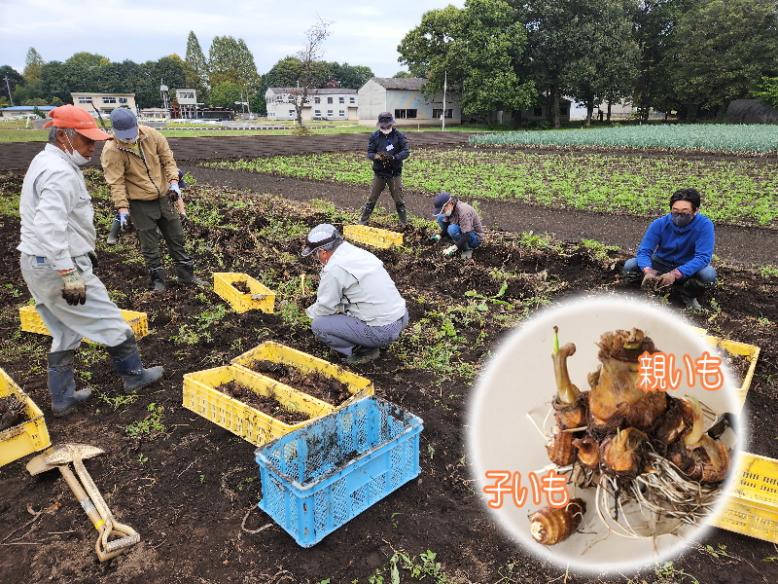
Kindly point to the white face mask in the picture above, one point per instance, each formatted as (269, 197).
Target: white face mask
(386, 132)
(75, 155)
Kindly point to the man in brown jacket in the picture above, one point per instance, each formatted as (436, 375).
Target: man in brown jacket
(143, 176)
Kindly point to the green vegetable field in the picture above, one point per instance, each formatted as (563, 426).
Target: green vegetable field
(743, 191)
(692, 137)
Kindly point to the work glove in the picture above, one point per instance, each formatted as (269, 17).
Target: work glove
(379, 156)
(74, 288)
(173, 192)
(124, 219)
(434, 238)
(450, 251)
(666, 280)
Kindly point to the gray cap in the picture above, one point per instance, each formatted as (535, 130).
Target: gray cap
(323, 236)
(125, 124)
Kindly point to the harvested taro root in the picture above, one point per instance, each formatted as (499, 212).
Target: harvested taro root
(629, 443)
(622, 453)
(551, 525)
(560, 450)
(616, 400)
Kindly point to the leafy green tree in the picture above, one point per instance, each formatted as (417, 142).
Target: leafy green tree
(768, 91)
(225, 94)
(402, 75)
(231, 60)
(350, 76)
(14, 80)
(654, 26)
(721, 49)
(607, 68)
(197, 66)
(477, 47)
(32, 66)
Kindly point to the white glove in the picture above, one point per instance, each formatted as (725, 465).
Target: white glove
(450, 251)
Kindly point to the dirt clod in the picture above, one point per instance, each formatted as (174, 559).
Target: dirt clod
(242, 287)
(11, 412)
(319, 386)
(264, 403)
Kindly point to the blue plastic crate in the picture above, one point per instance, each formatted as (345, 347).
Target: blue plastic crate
(318, 478)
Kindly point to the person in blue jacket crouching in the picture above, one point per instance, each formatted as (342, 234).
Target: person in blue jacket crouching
(676, 251)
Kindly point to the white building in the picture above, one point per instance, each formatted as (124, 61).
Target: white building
(405, 99)
(337, 103)
(105, 102)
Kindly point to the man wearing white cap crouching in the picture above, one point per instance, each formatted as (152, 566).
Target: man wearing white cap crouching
(358, 310)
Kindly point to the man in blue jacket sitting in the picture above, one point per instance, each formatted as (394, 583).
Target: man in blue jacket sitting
(676, 250)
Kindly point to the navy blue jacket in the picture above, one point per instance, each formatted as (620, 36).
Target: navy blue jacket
(394, 143)
(689, 248)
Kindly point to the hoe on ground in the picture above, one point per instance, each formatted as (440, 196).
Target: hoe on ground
(114, 538)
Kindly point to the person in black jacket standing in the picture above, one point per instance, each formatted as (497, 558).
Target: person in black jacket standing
(387, 148)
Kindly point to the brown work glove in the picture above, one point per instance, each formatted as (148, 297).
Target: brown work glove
(74, 288)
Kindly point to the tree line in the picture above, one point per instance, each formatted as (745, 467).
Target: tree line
(688, 56)
(227, 75)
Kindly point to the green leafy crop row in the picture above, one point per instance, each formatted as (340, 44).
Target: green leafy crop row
(735, 190)
(697, 137)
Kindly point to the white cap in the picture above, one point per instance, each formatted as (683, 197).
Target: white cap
(322, 236)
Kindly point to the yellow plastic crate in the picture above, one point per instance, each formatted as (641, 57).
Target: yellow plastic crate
(752, 508)
(373, 236)
(260, 298)
(29, 436)
(750, 352)
(357, 385)
(33, 323)
(201, 396)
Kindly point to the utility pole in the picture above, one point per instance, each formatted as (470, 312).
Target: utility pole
(8, 87)
(445, 89)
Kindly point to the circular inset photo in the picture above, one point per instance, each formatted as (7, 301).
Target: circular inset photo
(604, 432)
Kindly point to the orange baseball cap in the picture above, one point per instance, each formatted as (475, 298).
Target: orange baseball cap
(69, 116)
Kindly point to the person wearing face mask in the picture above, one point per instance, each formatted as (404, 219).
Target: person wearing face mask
(358, 310)
(676, 250)
(143, 176)
(387, 148)
(57, 261)
(458, 222)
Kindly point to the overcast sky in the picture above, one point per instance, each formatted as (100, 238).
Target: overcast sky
(142, 30)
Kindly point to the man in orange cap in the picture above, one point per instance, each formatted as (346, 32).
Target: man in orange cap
(57, 259)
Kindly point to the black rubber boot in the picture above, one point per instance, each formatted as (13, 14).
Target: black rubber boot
(186, 275)
(158, 279)
(632, 278)
(402, 215)
(367, 210)
(62, 384)
(127, 363)
(691, 292)
(362, 355)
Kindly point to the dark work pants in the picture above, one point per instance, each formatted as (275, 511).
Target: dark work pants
(152, 218)
(395, 188)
